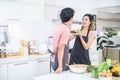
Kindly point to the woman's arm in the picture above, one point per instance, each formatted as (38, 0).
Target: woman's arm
(89, 43)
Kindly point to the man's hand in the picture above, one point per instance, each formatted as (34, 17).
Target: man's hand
(58, 70)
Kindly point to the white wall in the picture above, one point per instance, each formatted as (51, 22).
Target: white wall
(73, 3)
(27, 17)
(107, 3)
(102, 23)
(53, 8)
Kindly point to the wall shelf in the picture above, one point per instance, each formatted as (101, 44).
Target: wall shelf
(110, 19)
(74, 21)
(114, 27)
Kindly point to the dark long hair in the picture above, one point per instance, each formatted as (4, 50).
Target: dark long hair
(91, 18)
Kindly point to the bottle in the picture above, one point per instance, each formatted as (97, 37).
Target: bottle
(23, 49)
(108, 60)
(29, 49)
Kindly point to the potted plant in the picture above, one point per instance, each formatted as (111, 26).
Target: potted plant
(104, 40)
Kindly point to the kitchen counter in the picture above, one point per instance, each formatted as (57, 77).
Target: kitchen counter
(23, 58)
(66, 75)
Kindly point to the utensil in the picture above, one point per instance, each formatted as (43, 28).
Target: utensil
(67, 64)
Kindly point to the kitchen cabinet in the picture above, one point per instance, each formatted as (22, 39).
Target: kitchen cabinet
(33, 11)
(3, 72)
(10, 10)
(28, 69)
(19, 71)
(24, 67)
(22, 10)
(42, 67)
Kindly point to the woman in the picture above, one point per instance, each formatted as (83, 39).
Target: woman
(61, 37)
(83, 41)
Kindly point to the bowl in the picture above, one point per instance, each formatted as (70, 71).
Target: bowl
(105, 78)
(78, 68)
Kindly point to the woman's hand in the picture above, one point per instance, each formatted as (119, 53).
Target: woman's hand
(80, 34)
(58, 70)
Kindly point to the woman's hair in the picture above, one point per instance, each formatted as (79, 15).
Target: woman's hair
(66, 14)
(91, 18)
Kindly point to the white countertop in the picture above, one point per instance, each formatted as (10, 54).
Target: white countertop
(23, 58)
(66, 75)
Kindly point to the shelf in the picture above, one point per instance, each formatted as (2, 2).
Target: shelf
(114, 27)
(74, 21)
(110, 19)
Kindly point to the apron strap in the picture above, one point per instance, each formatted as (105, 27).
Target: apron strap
(88, 32)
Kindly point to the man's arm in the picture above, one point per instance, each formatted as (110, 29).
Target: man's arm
(60, 57)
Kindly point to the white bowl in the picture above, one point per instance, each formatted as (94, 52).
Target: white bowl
(105, 78)
(78, 68)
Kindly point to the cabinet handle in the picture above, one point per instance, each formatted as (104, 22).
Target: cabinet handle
(21, 63)
(42, 61)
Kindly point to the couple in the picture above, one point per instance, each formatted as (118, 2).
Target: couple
(62, 36)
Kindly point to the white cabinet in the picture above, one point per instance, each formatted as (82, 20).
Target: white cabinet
(28, 69)
(19, 71)
(40, 67)
(3, 72)
(43, 67)
(28, 10)
(33, 11)
(10, 10)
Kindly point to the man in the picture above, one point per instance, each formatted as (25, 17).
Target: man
(61, 36)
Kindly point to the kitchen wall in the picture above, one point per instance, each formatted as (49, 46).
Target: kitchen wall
(32, 19)
(107, 3)
(103, 23)
(54, 7)
(25, 20)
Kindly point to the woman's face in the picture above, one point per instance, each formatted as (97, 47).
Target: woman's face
(86, 21)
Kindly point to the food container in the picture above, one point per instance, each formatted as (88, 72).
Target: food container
(78, 68)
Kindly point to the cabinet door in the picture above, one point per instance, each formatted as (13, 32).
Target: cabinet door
(33, 11)
(19, 71)
(10, 10)
(43, 67)
(3, 72)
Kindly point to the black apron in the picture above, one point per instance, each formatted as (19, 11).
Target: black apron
(54, 59)
(79, 55)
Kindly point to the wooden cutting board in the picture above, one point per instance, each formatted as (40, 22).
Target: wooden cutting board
(115, 78)
(13, 54)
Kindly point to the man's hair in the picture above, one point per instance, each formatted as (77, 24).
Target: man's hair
(66, 14)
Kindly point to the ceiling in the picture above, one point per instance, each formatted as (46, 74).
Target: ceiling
(112, 9)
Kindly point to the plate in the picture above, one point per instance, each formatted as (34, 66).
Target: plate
(75, 33)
